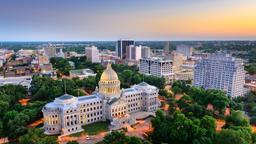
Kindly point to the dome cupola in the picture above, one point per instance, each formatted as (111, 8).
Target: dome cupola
(109, 84)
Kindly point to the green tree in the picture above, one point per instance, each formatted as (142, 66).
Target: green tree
(61, 64)
(36, 136)
(115, 138)
(229, 136)
(72, 142)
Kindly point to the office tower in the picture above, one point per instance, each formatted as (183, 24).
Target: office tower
(220, 71)
(133, 52)
(50, 50)
(145, 52)
(92, 54)
(157, 67)
(186, 50)
(166, 48)
(121, 47)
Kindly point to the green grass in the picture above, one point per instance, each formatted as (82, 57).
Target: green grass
(96, 128)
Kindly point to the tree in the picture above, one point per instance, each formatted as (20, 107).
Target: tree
(36, 136)
(179, 129)
(115, 138)
(3, 107)
(134, 140)
(72, 142)
(230, 136)
(236, 119)
(208, 123)
(61, 64)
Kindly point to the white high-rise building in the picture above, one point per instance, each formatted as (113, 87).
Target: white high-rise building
(145, 52)
(157, 67)
(220, 71)
(92, 54)
(186, 50)
(133, 52)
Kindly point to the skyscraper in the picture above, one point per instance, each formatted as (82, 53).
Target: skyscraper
(92, 54)
(133, 52)
(166, 48)
(220, 71)
(121, 47)
(145, 52)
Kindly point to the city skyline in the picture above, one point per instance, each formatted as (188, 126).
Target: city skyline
(110, 20)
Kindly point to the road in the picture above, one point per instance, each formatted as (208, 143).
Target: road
(137, 130)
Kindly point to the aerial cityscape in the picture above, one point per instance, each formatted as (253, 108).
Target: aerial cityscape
(128, 72)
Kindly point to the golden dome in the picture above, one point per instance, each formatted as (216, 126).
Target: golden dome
(109, 74)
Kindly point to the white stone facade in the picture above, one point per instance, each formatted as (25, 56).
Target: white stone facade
(67, 114)
(157, 67)
(221, 71)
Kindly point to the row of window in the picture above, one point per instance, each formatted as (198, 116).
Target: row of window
(135, 99)
(118, 109)
(71, 123)
(72, 129)
(93, 119)
(91, 109)
(92, 103)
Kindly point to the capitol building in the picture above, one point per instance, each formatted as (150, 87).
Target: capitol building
(67, 114)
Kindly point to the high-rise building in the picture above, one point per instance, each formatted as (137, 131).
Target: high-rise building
(121, 47)
(157, 67)
(92, 54)
(186, 50)
(145, 52)
(133, 52)
(220, 71)
(167, 48)
(50, 50)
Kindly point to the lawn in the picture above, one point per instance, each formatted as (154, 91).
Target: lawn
(96, 128)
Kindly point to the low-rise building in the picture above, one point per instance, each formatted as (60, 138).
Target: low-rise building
(23, 80)
(81, 73)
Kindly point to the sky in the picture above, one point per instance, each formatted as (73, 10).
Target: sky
(101, 20)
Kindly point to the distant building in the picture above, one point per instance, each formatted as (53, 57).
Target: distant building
(60, 53)
(133, 52)
(81, 73)
(178, 59)
(43, 59)
(186, 50)
(121, 47)
(145, 52)
(157, 67)
(167, 48)
(92, 54)
(25, 53)
(221, 71)
(23, 80)
(50, 50)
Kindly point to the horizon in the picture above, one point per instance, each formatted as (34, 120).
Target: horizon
(146, 20)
